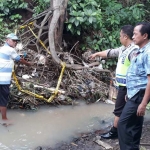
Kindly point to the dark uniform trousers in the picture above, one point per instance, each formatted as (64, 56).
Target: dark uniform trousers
(130, 125)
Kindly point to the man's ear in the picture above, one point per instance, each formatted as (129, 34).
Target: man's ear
(126, 37)
(145, 36)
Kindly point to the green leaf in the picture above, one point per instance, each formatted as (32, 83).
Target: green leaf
(78, 32)
(95, 26)
(94, 13)
(112, 22)
(97, 47)
(76, 23)
(72, 19)
(74, 6)
(6, 10)
(80, 19)
(116, 21)
(83, 48)
(69, 26)
(110, 38)
(82, 5)
(90, 19)
(89, 12)
(1, 4)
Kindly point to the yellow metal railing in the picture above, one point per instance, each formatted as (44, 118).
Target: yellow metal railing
(58, 83)
(63, 64)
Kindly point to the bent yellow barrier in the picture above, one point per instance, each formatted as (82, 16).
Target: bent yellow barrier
(40, 96)
(39, 40)
(58, 83)
(63, 64)
(26, 91)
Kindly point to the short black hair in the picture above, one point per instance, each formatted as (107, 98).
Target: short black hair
(145, 28)
(128, 30)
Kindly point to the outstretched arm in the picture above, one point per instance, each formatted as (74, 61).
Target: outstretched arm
(108, 53)
(23, 61)
(98, 54)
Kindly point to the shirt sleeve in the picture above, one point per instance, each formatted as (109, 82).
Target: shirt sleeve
(133, 54)
(115, 52)
(14, 55)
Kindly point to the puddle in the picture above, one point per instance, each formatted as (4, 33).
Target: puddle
(50, 125)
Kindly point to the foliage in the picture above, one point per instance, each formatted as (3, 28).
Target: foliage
(148, 106)
(40, 6)
(98, 22)
(8, 17)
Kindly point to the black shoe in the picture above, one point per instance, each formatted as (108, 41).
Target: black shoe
(111, 134)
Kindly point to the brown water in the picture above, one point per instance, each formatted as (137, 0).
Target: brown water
(50, 125)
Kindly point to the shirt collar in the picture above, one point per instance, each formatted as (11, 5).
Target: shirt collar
(129, 45)
(6, 44)
(141, 50)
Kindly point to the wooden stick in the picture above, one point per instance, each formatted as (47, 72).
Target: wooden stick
(105, 145)
(145, 144)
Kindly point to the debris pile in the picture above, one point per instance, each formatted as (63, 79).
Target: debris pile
(46, 82)
(89, 84)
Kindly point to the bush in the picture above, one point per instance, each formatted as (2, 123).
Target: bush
(8, 18)
(99, 22)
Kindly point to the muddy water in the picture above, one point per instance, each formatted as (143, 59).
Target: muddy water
(50, 125)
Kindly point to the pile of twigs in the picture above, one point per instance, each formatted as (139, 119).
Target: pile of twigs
(90, 83)
(86, 84)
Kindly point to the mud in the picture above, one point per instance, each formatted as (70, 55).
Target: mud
(86, 141)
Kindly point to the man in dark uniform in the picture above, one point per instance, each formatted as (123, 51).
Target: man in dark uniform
(138, 91)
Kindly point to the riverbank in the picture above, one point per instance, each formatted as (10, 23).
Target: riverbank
(87, 141)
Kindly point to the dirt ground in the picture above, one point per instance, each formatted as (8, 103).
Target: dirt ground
(86, 141)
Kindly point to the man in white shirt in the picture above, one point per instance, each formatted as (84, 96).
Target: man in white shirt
(7, 55)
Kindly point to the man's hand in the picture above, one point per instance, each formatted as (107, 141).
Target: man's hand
(23, 61)
(141, 110)
(31, 63)
(92, 56)
(142, 107)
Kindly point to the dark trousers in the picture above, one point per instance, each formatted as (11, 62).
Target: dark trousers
(4, 93)
(130, 125)
(120, 101)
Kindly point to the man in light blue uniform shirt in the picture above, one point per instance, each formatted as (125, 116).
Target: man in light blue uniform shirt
(138, 91)
(7, 56)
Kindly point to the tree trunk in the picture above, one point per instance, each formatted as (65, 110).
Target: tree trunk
(56, 6)
(56, 30)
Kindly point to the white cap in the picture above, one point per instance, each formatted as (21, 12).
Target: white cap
(12, 36)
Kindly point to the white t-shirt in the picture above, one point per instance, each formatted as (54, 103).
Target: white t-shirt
(7, 55)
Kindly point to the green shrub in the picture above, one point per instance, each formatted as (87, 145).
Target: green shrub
(8, 18)
(99, 22)
(40, 6)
